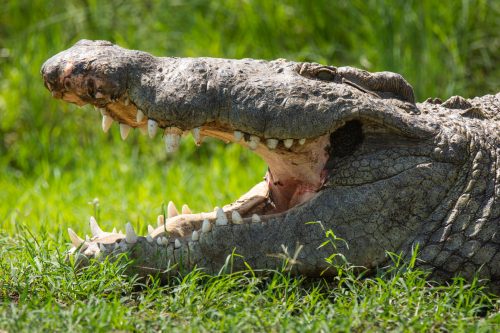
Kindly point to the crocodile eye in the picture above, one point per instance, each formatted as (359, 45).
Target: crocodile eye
(91, 88)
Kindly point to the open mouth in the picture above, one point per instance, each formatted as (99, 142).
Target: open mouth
(297, 169)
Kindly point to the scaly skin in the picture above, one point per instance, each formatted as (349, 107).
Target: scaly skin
(381, 171)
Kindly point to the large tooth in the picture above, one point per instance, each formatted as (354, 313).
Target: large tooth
(139, 116)
(236, 217)
(150, 229)
(172, 210)
(158, 241)
(195, 236)
(164, 241)
(130, 235)
(255, 218)
(103, 112)
(94, 227)
(196, 135)
(149, 239)
(101, 247)
(172, 139)
(206, 226)
(177, 243)
(238, 136)
(254, 142)
(272, 143)
(288, 143)
(186, 209)
(302, 141)
(124, 131)
(152, 128)
(107, 121)
(221, 218)
(143, 129)
(126, 101)
(160, 220)
(75, 240)
(114, 231)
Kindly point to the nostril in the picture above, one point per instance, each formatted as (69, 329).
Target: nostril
(67, 84)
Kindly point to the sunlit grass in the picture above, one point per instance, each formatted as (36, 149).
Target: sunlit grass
(55, 160)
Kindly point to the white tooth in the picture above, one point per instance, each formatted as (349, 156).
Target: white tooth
(126, 101)
(216, 208)
(255, 218)
(177, 243)
(206, 226)
(152, 128)
(75, 240)
(238, 136)
(164, 241)
(107, 121)
(196, 135)
(172, 210)
(139, 116)
(103, 112)
(102, 248)
(288, 143)
(254, 142)
(94, 227)
(130, 235)
(302, 141)
(114, 230)
(160, 220)
(143, 129)
(87, 238)
(124, 131)
(186, 210)
(195, 236)
(150, 229)
(236, 217)
(172, 139)
(149, 239)
(221, 218)
(272, 143)
(158, 241)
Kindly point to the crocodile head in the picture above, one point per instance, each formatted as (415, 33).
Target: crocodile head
(344, 147)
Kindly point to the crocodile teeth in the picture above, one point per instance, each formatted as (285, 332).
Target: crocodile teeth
(238, 136)
(75, 240)
(160, 220)
(150, 229)
(164, 240)
(288, 143)
(114, 230)
(101, 247)
(196, 135)
(195, 236)
(130, 235)
(172, 139)
(94, 227)
(152, 128)
(186, 210)
(254, 142)
(107, 121)
(206, 226)
(103, 112)
(126, 101)
(143, 129)
(172, 210)
(149, 239)
(158, 241)
(302, 141)
(236, 217)
(272, 143)
(255, 218)
(177, 243)
(124, 131)
(139, 116)
(221, 218)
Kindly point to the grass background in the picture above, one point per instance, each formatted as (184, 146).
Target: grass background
(54, 160)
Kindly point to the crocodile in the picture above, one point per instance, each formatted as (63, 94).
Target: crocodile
(347, 150)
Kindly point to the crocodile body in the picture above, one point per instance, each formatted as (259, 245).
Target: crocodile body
(345, 147)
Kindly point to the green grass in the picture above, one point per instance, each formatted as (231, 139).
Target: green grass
(54, 160)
